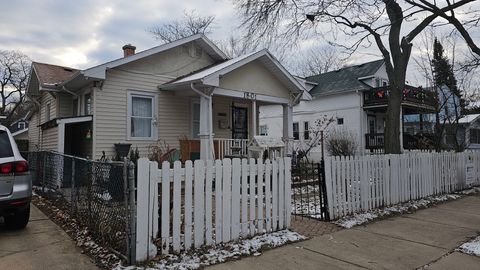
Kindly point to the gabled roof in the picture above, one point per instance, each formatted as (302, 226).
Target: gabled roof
(52, 74)
(345, 79)
(469, 118)
(200, 39)
(211, 75)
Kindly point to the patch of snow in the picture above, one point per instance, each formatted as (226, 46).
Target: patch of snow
(105, 196)
(221, 253)
(361, 218)
(470, 191)
(471, 247)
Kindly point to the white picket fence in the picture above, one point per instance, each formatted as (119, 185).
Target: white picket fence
(210, 202)
(362, 183)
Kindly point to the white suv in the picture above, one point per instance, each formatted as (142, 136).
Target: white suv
(15, 183)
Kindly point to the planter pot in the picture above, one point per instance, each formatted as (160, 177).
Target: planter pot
(122, 150)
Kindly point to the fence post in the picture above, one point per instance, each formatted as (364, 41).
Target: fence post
(73, 190)
(328, 185)
(144, 248)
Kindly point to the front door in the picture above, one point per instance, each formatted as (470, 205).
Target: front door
(240, 123)
(372, 123)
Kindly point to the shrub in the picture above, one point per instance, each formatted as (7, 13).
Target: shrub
(341, 143)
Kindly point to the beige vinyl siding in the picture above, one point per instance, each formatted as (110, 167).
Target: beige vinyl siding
(33, 132)
(65, 104)
(50, 139)
(110, 102)
(255, 78)
(222, 105)
(45, 99)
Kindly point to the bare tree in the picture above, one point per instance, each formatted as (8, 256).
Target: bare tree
(190, 24)
(391, 25)
(315, 137)
(317, 60)
(14, 71)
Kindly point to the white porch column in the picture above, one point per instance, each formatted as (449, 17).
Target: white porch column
(254, 118)
(206, 147)
(288, 128)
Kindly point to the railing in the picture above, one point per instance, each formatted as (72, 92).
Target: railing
(374, 141)
(203, 203)
(230, 147)
(379, 96)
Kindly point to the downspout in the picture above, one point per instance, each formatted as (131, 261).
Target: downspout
(210, 115)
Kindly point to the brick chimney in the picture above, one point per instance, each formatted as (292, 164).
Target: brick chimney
(128, 50)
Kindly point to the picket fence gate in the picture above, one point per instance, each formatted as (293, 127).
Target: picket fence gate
(362, 183)
(209, 202)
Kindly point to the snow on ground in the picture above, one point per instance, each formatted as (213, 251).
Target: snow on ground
(471, 247)
(221, 253)
(361, 218)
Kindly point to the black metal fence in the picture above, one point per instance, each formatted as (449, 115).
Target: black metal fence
(309, 194)
(95, 193)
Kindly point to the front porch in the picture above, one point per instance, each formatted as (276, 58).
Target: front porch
(225, 101)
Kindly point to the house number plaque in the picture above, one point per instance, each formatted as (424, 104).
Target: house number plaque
(251, 96)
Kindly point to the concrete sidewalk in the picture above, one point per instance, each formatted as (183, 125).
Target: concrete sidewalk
(41, 245)
(424, 238)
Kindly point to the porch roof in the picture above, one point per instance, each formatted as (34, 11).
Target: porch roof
(211, 76)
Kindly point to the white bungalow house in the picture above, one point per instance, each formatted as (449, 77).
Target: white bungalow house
(355, 97)
(186, 93)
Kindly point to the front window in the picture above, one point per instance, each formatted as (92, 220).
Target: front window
(141, 114)
(263, 130)
(296, 134)
(88, 104)
(21, 125)
(306, 131)
(47, 112)
(475, 136)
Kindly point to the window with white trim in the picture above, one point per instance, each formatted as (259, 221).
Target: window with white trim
(47, 112)
(296, 131)
(263, 130)
(306, 130)
(142, 108)
(87, 110)
(195, 120)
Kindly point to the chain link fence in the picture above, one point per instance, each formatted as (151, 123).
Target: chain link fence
(96, 193)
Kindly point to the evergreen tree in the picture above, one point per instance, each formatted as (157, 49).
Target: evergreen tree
(451, 104)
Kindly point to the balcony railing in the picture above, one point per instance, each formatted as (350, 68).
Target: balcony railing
(379, 96)
(374, 141)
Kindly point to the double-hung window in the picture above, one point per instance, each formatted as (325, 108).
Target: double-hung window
(296, 132)
(87, 109)
(141, 122)
(306, 131)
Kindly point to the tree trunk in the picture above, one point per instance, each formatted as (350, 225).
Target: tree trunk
(392, 129)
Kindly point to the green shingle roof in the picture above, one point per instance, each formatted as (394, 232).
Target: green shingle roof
(344, 80)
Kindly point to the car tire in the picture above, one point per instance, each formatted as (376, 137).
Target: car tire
(18, 220)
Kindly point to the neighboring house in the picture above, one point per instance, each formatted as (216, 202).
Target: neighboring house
(186, 93)
(356, 98)
(467, 132)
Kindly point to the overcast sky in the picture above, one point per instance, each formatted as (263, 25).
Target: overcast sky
(84, 33)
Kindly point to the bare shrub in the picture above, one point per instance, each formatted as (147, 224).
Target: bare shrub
(341, 143)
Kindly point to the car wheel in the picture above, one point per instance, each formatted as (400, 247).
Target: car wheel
(18, 220)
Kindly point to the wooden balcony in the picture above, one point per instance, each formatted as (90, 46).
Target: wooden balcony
(412, 96)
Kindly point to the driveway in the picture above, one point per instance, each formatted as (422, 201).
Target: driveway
(426, 238)
(42, 245)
